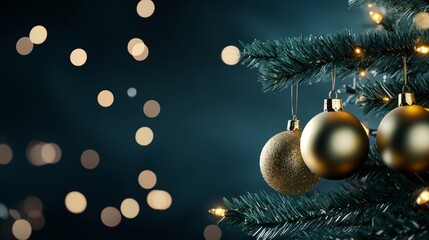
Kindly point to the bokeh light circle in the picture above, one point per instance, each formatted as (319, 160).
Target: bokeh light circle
(230, 55)
(24, 46)
(78, 57)
(6, 154)
(144, 136)
(111, 217)
(145, 8)
(212, 232)
(421, 20)
(21, 229)
(131, 92)
(38, 34)
(105, 98)
(151, 108)
(75, 202)
(159, 199)
(130, 208)
(147, 179)
(89, 159)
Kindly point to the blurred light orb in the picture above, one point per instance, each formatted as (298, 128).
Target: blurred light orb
(75, 202)
(212, 232)
(105, 98)
(138, 49)
(145, 8)
(38, 34)
(421, 20)
(48, 153)
(132, 92)
(230, 55)
(33, 203)
(21, 229)
(142, 56)
(89, 159)
(132, 43)
(34, 153)
(159, 199)
(111, 217)
(147, 179)
(14, 214)
(36, 220)
(6, 154)
(130, 208)
(78, 57)
(151, 108)
(144, 136)
(24, 46)
(4, 213)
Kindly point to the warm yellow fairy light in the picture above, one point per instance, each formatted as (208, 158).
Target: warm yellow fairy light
(386, 99)
(370, 5)
(422, 49)
(423, 197)
(358, 51)
(421, 20)
(362, 73)
(38, 34)
(220, 212)
(376, 17)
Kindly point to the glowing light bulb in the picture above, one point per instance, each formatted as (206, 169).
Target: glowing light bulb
(376, 17)
(423, 197)
(362, 73)
(386, 99)
(220, 212)
(358, 51)
(422, 49)
(421, 20)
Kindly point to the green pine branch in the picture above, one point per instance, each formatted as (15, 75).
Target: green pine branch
(310, 59)
(407, 8)
(375, 191)
(382, 97)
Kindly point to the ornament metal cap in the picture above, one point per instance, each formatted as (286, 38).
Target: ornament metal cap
(294, 125)
(333, 105)
(406, 99)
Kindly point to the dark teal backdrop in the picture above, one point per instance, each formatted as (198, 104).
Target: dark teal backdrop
(214, 119)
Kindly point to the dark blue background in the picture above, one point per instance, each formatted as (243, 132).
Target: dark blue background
(214, 119)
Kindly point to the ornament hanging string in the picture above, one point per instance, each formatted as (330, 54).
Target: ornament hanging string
(294, 109)
(334, 75)
(404, 60)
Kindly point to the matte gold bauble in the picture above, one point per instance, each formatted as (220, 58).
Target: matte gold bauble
(334, 144)
(403, 138)
(282, 166)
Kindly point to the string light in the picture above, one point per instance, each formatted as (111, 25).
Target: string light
(424, 49)
(220, 212)
(376, 17)
(386, 99)
(421, 20)
(423, 197)
(358, 51)
(362, 73)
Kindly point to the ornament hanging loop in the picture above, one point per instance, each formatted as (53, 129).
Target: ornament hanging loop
(294, 107)
(334, 75)
(405, 88)
(294, 124)
(406, 98)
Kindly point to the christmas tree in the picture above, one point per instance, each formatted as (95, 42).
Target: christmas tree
(386, 196)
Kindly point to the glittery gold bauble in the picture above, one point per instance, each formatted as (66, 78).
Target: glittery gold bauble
(334, 144)
(403, 139)
(282, 166)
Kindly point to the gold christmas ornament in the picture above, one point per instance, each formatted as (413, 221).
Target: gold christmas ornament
(334, 144)
(281, 163)
(403, 136)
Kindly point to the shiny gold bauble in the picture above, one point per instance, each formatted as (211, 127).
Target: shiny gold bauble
(334, 144)
(403, 139)
(282, 166)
